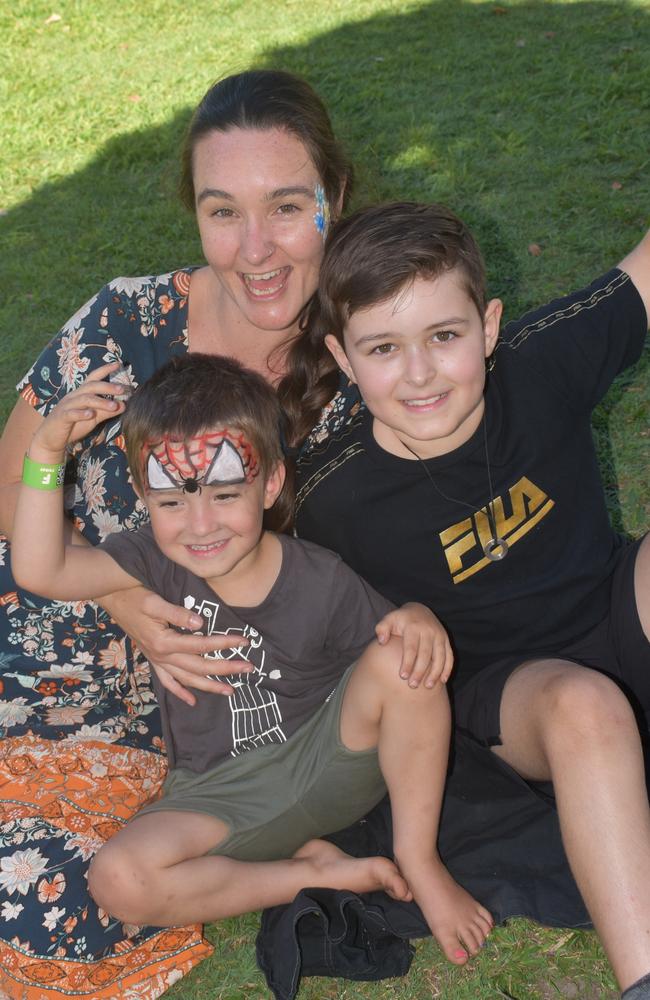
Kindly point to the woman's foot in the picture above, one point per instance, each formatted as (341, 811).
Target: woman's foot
(334, 869)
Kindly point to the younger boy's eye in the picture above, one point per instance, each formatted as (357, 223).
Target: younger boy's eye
(169, 503)
(383, 349)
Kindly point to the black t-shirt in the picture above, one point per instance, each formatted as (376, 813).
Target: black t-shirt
(315, 621)
(387, 520)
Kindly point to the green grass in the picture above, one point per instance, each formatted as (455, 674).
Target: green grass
(528, 118)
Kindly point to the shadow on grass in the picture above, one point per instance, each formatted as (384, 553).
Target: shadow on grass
(520, 117)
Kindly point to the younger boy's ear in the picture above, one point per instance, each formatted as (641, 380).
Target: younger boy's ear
(274, 483)
(339, 355)
(491, 324)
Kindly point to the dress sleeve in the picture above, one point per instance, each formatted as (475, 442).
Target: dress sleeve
(581, 342)
(81, 345)
(354, 609)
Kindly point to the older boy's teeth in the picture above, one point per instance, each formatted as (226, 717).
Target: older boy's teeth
(425, 402)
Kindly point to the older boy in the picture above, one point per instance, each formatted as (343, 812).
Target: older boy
(490, 504)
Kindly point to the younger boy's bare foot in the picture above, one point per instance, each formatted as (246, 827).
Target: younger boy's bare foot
(334, 869)
(458, 922)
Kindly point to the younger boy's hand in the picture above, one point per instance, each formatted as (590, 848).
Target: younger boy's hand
(426, 650)
(78, 413)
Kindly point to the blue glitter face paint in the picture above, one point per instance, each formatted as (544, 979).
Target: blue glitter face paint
(322, 214)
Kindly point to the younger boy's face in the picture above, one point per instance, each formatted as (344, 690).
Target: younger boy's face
(212, 528)
(419, 362)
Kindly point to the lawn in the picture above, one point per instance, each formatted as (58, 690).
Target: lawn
(531, 119)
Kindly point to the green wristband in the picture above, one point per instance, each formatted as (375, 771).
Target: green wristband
(41, 476)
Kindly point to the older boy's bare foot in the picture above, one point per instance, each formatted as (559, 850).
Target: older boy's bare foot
(458, 922)
(334, 869)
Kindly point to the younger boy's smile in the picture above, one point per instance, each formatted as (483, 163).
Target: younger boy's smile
(419, 361)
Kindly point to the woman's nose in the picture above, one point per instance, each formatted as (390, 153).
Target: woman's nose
(257, 245)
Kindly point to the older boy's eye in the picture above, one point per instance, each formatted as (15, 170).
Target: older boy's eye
(444, 336)
(383, 349)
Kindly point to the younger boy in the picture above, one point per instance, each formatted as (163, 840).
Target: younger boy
(301, 746)
(489, 498)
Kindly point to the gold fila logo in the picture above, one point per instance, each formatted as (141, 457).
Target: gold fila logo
(463, 542)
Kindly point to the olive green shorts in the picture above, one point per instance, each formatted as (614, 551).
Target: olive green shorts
(277, 797)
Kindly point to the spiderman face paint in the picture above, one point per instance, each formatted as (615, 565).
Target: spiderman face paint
(222, 457)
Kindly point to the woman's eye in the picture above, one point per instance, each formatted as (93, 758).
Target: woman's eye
(287, 209)
(222, 213)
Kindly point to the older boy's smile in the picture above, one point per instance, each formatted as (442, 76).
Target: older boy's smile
(419, 361)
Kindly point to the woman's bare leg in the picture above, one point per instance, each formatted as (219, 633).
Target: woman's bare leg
(411, 728)
(156, 871)
(573, 726)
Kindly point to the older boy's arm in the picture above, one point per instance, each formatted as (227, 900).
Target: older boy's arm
(637, 265)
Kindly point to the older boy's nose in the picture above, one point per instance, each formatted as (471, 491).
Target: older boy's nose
(419, 368)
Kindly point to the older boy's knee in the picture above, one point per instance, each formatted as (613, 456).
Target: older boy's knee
(584, 705)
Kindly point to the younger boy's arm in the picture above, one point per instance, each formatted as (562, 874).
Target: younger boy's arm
(637, 265)
(40, 559)
(426, 651)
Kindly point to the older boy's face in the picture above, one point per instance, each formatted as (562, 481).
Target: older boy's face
(419, 362)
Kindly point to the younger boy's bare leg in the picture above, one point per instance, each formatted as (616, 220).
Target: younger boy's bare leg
(411, 728)
(573, 726)
(155, 871)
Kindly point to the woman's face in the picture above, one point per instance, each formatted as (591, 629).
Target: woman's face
(259, 205)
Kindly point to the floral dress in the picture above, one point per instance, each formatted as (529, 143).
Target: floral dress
(81, 749)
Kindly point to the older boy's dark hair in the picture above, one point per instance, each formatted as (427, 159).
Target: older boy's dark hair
(370, 257)
(195, 393)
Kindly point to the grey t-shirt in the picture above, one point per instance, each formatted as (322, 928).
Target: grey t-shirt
(317, 619)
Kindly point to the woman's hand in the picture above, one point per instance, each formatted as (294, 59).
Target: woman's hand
(426, 650)
(176, 657)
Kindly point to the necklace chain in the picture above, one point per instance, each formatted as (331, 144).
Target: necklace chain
(496, 548)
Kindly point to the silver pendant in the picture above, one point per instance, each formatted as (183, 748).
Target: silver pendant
(496, 549)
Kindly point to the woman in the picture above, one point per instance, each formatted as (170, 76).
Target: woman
(82, 748)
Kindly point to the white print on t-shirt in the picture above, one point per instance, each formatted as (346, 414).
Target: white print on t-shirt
(254, 710)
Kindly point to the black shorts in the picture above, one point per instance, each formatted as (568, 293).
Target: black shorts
(617, 646)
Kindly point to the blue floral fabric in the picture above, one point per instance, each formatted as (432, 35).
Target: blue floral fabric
(68, 673)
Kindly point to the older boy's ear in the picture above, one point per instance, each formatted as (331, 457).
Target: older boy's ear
(491, 324)
(274, 484)
(339, 355)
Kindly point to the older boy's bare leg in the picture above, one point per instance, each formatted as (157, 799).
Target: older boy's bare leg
(156, 872)
(573, 726)
(411, 728)
(642, 585)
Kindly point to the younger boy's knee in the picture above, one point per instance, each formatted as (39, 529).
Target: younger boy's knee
(117, 886)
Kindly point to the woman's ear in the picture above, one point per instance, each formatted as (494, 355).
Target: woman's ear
(339, 355)
(491, 325)
(274, 483)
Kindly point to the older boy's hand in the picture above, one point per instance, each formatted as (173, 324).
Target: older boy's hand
(177, 658)
(426, 650)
